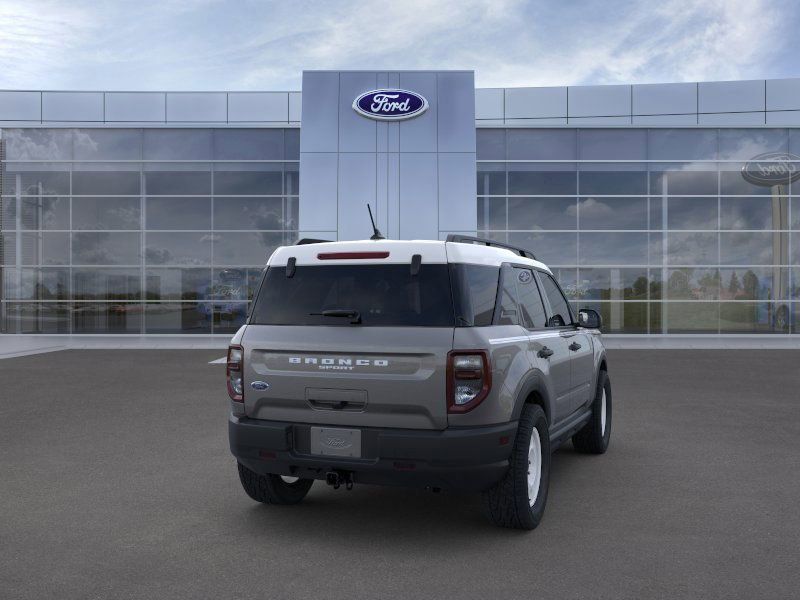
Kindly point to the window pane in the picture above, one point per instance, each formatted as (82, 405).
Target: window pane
(613, 248)
(252, 181)
(542, 213)
(291, 141)
(691, 317)
(106, 213)
(38, 144)
(750, 317)
(106, 284)
(692, 248)
(509, 309)
(178, 213)
(107, 317)
(745, 144)
(45, 248)
(248, 144)
(612, 213)
(474, 293)
(531, 181)
(755, 283)
(108, 144)
(118, 183)
(492, 213)
(178, 183)
(682, 144)
(612, 144)
(692, 213)
(173, 248)
(228, 317)
(178, 284)
(490, 144)
(491, 179)
(29, 317)
(613, 284)
(35, 284)
(34, 180)
(693, 284)
(530, 300)
(541, 144)
(610, 182)
(245, 248)
(754, 213)
(733, 182)
(559, 308)
(248, 213)
(177, 144)
(235, 284)
(621, 317)
(115, 248)
(696, 180)
(291, 178)
(550, 248)
(184, 317)
(749, 248)
(44, 212)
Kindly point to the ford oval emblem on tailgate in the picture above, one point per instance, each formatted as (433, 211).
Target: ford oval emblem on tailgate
(259, 385)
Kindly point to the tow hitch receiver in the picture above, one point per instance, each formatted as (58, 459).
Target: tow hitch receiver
(338, 478)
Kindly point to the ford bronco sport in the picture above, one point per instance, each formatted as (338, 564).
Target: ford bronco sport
(453, 364)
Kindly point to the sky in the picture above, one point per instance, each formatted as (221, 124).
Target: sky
(265, 45)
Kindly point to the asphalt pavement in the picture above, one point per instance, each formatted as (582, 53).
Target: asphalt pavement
(116, 482)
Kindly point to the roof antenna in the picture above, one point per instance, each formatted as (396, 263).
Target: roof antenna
(377, 235)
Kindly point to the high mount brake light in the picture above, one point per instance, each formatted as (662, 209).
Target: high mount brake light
(469, 379)
(234, 372)
(351, 255)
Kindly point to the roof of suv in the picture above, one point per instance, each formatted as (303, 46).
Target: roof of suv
(397, 251)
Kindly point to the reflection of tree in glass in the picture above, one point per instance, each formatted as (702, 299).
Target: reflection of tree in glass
(640, 288)
(750, 285)
(734, 286)
(678, 285)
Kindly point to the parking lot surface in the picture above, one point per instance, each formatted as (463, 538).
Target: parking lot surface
(116, 482)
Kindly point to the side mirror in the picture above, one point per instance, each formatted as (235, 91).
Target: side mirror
(590, 319)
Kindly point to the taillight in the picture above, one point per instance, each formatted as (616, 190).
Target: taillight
(469, 379)
(235, 373)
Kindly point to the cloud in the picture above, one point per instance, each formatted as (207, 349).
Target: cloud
(213, 44)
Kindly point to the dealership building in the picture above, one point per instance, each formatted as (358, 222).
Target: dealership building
(672, 209)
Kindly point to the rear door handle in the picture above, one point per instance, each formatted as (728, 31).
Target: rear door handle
(545, 352)
(574, 346)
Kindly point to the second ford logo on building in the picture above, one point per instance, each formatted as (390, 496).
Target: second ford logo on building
(390, 105)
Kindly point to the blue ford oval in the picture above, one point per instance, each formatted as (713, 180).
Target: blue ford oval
(390, 105)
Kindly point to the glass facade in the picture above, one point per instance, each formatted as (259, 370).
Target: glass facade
(141, 230)
(656, 229)
(159, 230)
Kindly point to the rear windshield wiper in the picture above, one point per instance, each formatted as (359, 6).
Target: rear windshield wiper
(353, 315)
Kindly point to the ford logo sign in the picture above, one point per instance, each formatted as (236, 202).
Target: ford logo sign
(390, 105)
(259, 385)
(772, 168)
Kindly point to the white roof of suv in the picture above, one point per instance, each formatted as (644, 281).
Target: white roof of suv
(397, 251)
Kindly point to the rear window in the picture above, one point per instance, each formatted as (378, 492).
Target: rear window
(384, 295)
(475, 293)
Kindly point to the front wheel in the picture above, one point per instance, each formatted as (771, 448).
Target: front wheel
(518, 500)
(273, 489)
(595, 435)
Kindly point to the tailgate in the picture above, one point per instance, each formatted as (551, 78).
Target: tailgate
(349, 376)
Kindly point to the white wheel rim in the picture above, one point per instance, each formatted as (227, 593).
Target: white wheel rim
(534, 466)
(603, 414)
(289, 479)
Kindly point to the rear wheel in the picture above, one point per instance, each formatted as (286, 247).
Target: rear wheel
(595, 435)
(518, 500)
(273, 489)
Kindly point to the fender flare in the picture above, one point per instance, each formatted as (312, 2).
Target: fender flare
(533, 382)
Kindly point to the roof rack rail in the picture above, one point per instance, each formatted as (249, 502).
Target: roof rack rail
(305, 241)
(467, 239)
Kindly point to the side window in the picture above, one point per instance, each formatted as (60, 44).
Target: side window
(558, 304)
(530, 300)
(509, 314)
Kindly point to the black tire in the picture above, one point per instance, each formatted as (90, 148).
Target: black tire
(271, 489)
(594, 437)
(507, 503)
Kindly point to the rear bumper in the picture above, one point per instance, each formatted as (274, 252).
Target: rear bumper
(469, 459)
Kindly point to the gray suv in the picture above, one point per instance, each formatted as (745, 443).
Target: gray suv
(453, 364)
